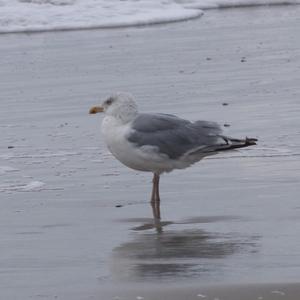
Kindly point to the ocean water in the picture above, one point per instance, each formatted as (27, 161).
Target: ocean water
(43, 15)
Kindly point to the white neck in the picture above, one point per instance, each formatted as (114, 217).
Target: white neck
(123, 111)
(124, 116)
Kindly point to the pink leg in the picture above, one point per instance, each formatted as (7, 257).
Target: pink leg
(155, 199)
(157, 196)
(153, 195)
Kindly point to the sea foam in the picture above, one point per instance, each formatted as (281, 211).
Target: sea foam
(32, 186)
(43, 15)
(7, 169)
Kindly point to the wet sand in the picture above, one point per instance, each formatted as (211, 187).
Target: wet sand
(230, 223)
(213, 292)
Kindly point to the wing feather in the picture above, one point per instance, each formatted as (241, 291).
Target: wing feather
(174, 136)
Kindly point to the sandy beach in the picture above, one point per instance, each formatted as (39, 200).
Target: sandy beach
(76, 224)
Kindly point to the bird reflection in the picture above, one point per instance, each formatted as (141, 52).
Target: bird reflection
(156, 215)
(170, 254)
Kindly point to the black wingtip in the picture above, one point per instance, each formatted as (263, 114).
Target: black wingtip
(250, 141)
(236, 143)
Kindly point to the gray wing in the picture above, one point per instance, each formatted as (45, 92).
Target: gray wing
(174, 136)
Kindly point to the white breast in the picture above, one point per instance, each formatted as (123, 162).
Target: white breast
(145, 158)
(114, 134)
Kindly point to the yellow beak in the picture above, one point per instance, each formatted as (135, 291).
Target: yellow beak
(96, 109)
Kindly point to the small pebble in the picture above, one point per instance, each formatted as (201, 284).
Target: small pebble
(208, 58)
(10, 147)
(243, 59)
(225, 104)
(226, 125)
(119, 205)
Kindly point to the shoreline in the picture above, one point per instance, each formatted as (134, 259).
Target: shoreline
(142, 24)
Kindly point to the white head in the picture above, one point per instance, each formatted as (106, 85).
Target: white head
(119, 105)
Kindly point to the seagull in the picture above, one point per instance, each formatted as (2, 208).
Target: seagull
(157, 142)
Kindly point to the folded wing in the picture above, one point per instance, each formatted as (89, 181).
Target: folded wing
(176, 137)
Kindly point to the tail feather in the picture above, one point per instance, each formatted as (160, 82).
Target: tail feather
(232, 143)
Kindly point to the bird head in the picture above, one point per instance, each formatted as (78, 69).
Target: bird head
(119, 105)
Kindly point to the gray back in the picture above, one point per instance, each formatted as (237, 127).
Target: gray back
(172, 135)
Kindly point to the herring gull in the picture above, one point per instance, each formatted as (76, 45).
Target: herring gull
(159, 143)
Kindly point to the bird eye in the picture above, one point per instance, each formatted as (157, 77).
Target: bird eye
(109, 101)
